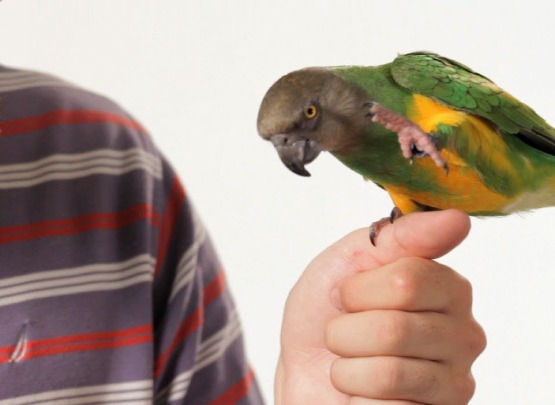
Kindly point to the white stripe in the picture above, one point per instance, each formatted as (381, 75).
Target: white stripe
(63, 167)
(140, 397)
(231, 324)
(215, 351)
(20, 75)
(76, 279)
(108, 154)
(179, 390)
(188, 262)
(68, 167)
(133, 161)
(208, 352)
(96, 277)
(71, 175)
(56, 292)
(134, 390)
(4, 88)
(80, 270)
(12, 81)
(185, 270)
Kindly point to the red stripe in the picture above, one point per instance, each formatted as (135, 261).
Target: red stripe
(173, 207)
(27, 124)
(6, 349)
(214, 288)
(100, 216)
(236, 392)
(91, 346)
(72, 339)
(84, 223)
(92, 336)
(193, 322)
(81, 342)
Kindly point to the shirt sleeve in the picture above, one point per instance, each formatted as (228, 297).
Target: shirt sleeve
(110, 288)
(199, 355)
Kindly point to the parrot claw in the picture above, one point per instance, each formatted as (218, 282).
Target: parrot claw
(412, 139)
(377, 226)
(369, 105)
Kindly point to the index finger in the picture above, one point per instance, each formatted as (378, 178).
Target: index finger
(409, 284)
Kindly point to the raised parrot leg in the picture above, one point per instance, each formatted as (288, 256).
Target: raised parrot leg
(377, 226)
(413, 140)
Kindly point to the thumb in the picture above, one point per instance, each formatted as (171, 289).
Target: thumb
(424, 234)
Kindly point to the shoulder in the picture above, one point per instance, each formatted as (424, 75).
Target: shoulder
(41, 114)
(36, 92)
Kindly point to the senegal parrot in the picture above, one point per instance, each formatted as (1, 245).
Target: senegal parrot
(429, 130)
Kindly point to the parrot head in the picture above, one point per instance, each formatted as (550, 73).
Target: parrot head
(309, 111)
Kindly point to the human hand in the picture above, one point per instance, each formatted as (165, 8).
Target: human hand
(369, 325)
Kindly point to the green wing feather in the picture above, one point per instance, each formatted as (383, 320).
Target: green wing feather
(457, 86)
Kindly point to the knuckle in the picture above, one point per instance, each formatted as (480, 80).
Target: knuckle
(411, 276)
(476, 341)
(465, 289)
(330, 334)
(389, 377)
(464, 387)
(431, 331)
(406, 281)
(336, 376)
(396, 380)
(393, 329)
(348, 296)
(333, 336)
(426, 385)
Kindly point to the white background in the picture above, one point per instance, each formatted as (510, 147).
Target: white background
(194, 73)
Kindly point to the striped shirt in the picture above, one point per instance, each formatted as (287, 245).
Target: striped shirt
(110, 289)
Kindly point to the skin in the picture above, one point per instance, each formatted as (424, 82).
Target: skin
(382, 325)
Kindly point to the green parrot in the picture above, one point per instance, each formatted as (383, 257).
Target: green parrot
(429, 130)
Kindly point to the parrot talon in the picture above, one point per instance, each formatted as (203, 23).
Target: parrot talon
(420, 153)
(375, 229)
(377, 226)
(412, 139)
(417, 152)
(369, 105)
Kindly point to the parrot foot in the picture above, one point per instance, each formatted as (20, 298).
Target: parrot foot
(377, 226)
(413, 140)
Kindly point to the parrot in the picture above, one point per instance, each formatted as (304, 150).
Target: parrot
(430, 131)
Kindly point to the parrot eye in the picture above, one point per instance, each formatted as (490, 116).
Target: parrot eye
(310, 111)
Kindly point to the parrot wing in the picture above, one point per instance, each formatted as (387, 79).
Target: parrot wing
(457, 86)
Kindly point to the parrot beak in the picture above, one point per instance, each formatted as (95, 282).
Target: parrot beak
(295, 151)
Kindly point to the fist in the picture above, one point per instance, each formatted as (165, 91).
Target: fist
(382, 324)
(407, 335)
